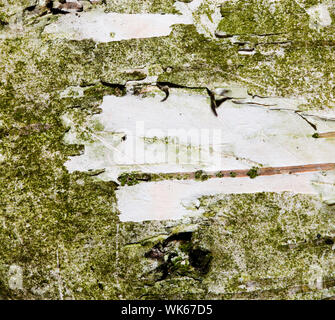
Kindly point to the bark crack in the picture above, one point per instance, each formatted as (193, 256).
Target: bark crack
(215, 103)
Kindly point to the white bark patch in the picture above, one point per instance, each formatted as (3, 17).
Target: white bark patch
(319, 16)
(205, 23)
(106, 27)
(15, 281)
(324, 183)
(165, 200)
(182, 134)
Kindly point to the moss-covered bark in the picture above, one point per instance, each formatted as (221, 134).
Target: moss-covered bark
(63, 229)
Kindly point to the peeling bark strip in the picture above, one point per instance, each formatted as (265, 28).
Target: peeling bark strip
(325, 135)
(134, 178)
(296, 169)
(269, 171)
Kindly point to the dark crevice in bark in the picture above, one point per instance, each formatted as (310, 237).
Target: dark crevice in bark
(215, 103)
(310, 123)
(221, 34)
(254, 103)
(178, 257)
(58, 11)
(30, 8)
(113, 85)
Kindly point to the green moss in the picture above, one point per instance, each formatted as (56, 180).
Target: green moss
(260, 17)
(185, 247)
(131, 179)
(131, 6)
(136, 75)
(201, 175)
(251, 229)
(180, 266)
(253, 172)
